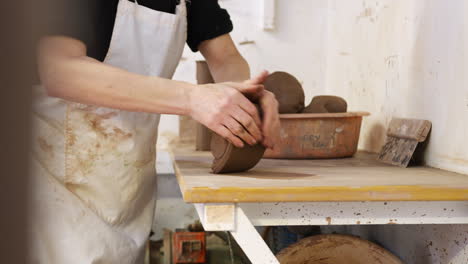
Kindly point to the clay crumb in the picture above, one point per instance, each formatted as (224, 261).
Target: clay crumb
(328, 219)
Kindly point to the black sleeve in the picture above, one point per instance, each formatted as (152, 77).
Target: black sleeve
(65, 17)
(206, 20)
(90, 21)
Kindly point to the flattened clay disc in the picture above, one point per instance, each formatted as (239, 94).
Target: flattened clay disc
(326, 104)
(288, 91)
(228, 158)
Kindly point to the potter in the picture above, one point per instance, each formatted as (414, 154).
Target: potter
(105, 70)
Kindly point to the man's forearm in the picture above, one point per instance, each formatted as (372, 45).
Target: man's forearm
(224, 60)
(67, 73)
(87, 81)
(232, 68)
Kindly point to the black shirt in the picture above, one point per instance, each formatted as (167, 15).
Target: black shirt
(92, 21)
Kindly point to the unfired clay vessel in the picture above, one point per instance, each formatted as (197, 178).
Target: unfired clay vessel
(288, 91)
(228, 158)
(326, 104)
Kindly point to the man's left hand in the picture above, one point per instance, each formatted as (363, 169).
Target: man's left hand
(269, 104)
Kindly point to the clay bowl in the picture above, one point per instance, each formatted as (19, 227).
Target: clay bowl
(318, 136)
(336, 249)
(229, 159)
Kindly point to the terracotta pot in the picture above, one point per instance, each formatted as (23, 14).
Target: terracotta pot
(318, 136)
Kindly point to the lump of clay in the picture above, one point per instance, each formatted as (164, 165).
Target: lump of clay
(288, 91)
(326, 104)
(228, 158)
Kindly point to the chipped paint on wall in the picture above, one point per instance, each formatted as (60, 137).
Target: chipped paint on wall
(406, 59)
(390, 57)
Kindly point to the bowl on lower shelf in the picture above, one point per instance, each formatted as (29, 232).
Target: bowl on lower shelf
(336, 249)
(318, 136)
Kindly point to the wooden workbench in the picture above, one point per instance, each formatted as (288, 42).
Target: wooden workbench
(361, 178)
(351, 191)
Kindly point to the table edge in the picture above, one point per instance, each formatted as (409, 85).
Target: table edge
(325, 194)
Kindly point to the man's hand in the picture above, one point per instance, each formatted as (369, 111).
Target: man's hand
(223, 108)
(269, 105)
(226, 109)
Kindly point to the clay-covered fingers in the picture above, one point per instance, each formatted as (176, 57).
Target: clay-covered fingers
(239, 131)
(249, 108)
(225, 110)
(229, 136)
(248, 123)
(273, 134)
(271, 121)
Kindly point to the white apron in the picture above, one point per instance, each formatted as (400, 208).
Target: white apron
(93, 168)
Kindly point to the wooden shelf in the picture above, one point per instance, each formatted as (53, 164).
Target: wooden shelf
(361, 178)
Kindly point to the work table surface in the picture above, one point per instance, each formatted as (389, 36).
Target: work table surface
(360, 178)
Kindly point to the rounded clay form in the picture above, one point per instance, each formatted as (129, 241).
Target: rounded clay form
(326, 104)
(228, 158)
(335, 249)
(288, 91)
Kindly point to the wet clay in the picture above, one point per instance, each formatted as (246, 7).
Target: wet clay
(288, 91)
(326, 104)
(228, 158)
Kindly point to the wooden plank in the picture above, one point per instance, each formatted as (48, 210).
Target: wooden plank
(398, 151)
(167, 246)
(361, 178)
(403, 138)
(414, 129)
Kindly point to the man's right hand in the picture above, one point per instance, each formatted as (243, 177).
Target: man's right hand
(225, 109)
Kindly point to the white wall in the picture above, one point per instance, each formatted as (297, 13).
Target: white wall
(404, 58)
(389, 57)
(292, 46)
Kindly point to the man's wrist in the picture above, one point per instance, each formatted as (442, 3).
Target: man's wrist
(188, 91)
